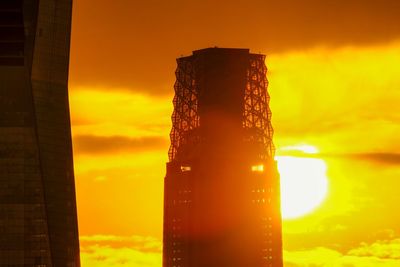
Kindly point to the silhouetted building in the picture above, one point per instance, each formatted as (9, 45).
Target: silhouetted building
(222, 195)
(38, 221)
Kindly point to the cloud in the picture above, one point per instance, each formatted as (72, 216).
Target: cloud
(125, 51)
(351, 261)
(135, 251)
(141, 243)
(112, 250)
(386, 158)
(103, 255)
(337, 99)
(317, 257)
(92, 144)
(110, 111)
(324, 257)
(106, 256)
(380, 158)
(389, 249)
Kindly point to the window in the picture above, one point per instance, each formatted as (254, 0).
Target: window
(186, 168)
(257, 168)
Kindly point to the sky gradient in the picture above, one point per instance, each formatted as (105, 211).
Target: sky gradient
(334, 84)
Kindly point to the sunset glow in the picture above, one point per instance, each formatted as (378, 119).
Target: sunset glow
(304, 185)
(333, 71)
(302, 148)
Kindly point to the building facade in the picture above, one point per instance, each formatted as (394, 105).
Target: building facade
(222, 195)
(38, 217)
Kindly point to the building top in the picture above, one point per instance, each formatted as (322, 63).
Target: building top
(222, 50)
(221, 88)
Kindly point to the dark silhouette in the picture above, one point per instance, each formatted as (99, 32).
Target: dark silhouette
(38, 222)
(222, 196)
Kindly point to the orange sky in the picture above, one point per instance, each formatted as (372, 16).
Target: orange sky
(334, 84)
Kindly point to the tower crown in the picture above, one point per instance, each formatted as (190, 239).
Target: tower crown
(221, 104)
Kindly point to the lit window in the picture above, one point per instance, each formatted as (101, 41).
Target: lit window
(257, 168)
(186, 168)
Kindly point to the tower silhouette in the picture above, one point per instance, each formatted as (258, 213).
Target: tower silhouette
(222, 195)
(38, 221)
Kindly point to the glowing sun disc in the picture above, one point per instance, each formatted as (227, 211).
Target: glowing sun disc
(304, 185)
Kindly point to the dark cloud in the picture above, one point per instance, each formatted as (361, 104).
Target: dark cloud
(91, 144)
(387, 158)
(133, 44)
(382, 158)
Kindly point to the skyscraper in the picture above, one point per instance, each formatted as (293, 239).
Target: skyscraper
(222, 195)
(38, 221)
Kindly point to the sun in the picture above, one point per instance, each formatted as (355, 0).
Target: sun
(304, 185)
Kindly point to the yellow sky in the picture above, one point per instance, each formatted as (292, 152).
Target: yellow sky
(331, 99)
(337, 93)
